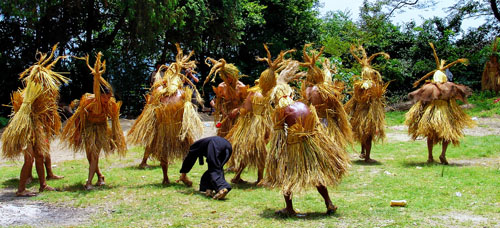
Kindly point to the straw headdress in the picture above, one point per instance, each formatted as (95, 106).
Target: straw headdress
(438, 75)
(267, 79)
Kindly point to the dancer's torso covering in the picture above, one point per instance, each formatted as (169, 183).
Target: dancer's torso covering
(436, 114)
(168, 125)
(491, 76)
(225, 102)
(249, 135)
(88, 128)
(366, 108)
(331, 112)
(41, 120)
(303, 155)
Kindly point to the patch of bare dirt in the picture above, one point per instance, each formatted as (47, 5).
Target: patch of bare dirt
(485, 126)
(18, 211)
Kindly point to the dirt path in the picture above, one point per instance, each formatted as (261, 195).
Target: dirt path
(485, 126)
(16, 211)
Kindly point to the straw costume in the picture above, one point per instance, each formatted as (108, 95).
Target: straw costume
(88, 128)
(145, 126)
(318, 89)
(169, 124)
(35, 120)
(250, 134)
(366, 107)
(436, 114)
(302, 154)
(229, 94)
(491, 74)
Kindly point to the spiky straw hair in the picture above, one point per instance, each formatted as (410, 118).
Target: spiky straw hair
(282, 93)
(97, 70)
(267, 79)
(36, 115)
(173, 77)
(329, 69)
(41, 72)
(314, 74)
(440, 65)
(367, 71)
(224, 70)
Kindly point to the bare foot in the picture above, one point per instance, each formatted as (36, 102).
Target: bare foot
(54, 177)
(209, 193)
(25, 193)
(443, 160)
(165, 182)
(430, 160)
(47, 188)
(88, 187)
(238, 181)
(221, 194)
(331, 209)
(362, 155)
(143, 166)
(369, 160)
(100, 181)
(185, 180)
(286, 212)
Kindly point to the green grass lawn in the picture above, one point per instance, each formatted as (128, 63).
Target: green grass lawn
(135, 197)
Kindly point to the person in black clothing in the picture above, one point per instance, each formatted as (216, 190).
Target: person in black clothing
(217, 151)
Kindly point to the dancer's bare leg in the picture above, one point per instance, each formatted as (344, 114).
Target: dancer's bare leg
(144, 162)
(39, 165)
(368, 149)
(237, 177)
(330, 208)
(430, 145)
(91, 157)
(442, 157)
(164, 167)
(288, 210)
(185, 180)
(25, 174)
(100, 177)
(48, 168)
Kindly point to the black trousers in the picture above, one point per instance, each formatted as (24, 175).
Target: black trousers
(217, 151)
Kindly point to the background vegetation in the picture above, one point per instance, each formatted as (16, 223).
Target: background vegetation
(134, 35)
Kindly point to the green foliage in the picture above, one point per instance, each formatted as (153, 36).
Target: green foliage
(3, 121)
(483, 104)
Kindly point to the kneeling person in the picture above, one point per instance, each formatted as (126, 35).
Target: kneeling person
(217, 150)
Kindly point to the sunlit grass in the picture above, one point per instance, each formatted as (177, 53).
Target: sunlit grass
(134, 197)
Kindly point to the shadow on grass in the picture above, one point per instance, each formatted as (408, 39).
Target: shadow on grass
(149, 167)
(362, 162)
(79, 187)
(411, 164)
(159, 185)
(269, 213)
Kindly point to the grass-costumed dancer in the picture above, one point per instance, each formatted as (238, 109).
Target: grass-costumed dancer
(250, 134)
(229, 94)
(302, 154)
(436, 114)
(319, 90)
(145, 126)
(35, 120)
(170, 124)
(491, 74)
(366, 107)
(87, 130)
